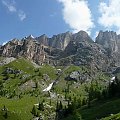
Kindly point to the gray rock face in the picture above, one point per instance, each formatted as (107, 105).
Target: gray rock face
(68, 48)
(78, 76)
(6, 60)
(86, 53)
(111, 42)
(27, 48)
(74, 44)
(12, 71)
(75, 75)
(60, 41)
(82, 36)
(43, 39)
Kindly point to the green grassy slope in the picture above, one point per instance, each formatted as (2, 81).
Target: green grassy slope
(112, 117)
(20, 107)
(22, 64)
(101, 109)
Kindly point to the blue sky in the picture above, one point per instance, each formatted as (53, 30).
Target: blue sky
(20, 18)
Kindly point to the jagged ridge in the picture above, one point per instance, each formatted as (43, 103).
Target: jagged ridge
(68, 48)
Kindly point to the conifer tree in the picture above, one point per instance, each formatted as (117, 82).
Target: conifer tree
(60, 106)
(6, 115)
(34, 111)
(41, 106)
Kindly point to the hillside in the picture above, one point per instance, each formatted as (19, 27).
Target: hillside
(20, 94)
(65, 77)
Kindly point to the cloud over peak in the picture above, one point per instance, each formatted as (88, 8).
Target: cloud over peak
(11, 6)
(77, 15)
(110, 14)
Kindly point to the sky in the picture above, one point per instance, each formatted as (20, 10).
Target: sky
(20, 18)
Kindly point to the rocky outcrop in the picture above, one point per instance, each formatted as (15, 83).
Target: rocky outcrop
(68, 48)
(74, 76)
(27, 47)
(74, 44)
(43, 39)
(111, 42)
(60, 41)
(6, 60)
(86, 53)
(82, 36)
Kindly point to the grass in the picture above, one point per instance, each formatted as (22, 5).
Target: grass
(10, 116)
(19, 64)
(13, 81)
(11, 84)
(112, 117)
(49, 70)
(20, 107)
(72, 68)
(22, 64)
(101, 109)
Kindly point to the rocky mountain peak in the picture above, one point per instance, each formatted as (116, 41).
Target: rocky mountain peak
(30, 37)
(82, 36)
(109, 40)
(82, 33)
(77, 48)
(106, 36)
(43, 39)
(60, 41)
(44, 36)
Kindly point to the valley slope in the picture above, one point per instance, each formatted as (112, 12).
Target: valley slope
(84, 76)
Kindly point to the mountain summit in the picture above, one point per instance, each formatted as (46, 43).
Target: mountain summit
(68, 48)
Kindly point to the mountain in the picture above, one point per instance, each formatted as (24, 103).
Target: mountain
(110, 41)
(59, 41)
(27, 47)
(68, 48)
(65, 77)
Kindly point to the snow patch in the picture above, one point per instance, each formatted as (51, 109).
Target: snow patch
(112, 79)
(48, 88)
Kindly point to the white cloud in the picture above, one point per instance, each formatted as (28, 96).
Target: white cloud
(110, 14)
(77, 15)
(11, 6)
(21, 15)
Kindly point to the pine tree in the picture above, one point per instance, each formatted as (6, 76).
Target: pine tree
(79, 103)
(57, 107)
(41, 106)
(36, 84)
(114, 88)
(6, 115)
(34, 111)
(1, 87)
(6, 112)
(60, 106)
